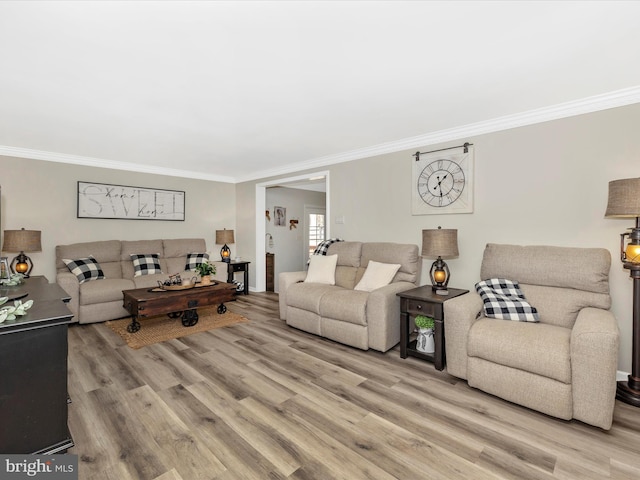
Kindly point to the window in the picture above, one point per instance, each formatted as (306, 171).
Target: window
(316, 231)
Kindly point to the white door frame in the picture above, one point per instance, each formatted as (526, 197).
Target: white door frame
(261, 228)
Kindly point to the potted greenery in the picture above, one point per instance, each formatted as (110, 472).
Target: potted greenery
(425, 342)
(205, 269)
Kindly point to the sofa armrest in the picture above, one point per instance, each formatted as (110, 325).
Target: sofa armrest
(285, 280)
(459, 315)
(69, 283)
(595, 340)
(383, 315)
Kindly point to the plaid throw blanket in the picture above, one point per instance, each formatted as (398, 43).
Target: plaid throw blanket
(323, 246)
(503, 299)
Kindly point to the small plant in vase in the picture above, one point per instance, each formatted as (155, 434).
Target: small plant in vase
(425, 342)
(205, 269)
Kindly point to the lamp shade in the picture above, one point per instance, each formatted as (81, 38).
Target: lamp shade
(624, 198)
(22, 241)
(440, 243)
(224, 236)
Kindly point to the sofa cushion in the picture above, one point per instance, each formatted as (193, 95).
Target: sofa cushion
(106, 290)
(345, 305)
(578, 268)
(503, 299)
(404, 254)
(560, 306)
(377, 275)
(307, 296)
(322, 269)
(146, 264)
(181, 247)
(348, 253)
(103, 251)
(346, 276)
(532, 347)
(85, 269)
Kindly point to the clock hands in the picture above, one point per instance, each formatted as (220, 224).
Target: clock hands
(439, 184)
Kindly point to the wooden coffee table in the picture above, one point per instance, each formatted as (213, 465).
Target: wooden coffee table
(148, 302)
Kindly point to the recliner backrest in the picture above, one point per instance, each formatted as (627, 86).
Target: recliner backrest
(558, 281)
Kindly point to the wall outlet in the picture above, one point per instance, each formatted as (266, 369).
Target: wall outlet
(340, 220)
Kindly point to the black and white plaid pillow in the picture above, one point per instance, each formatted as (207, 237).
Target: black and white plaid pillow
(503, 299)
(147, 264)
(195, 259)
(84, 269)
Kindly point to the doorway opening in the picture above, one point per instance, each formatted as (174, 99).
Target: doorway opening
(311, 180)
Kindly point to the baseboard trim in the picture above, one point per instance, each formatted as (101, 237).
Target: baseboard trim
(621, 376)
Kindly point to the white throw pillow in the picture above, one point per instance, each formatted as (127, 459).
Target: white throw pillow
(322, 269)
(377, 275)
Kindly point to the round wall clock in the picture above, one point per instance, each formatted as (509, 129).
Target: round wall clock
(443, 182)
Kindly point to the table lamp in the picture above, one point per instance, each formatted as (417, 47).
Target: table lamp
(223, 237)
(22, 241)
(624, 202)
(440, 243)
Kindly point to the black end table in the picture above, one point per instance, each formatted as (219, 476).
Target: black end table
(233, 267)
(424, 301)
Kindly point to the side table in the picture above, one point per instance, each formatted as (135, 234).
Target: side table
(424, 301)
(233, 267)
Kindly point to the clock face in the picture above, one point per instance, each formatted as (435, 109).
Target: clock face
(441, 183)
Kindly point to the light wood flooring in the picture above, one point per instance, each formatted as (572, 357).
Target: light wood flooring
(261, 400)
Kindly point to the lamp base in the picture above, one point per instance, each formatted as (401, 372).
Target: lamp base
(627, 394)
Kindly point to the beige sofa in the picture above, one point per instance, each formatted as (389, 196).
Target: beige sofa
(100, 300)
(565, 365)
(358, 318)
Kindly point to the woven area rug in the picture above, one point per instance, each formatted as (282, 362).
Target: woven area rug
(161, 328)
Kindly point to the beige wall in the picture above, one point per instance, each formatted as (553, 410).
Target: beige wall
(40, 195)
(539, 184)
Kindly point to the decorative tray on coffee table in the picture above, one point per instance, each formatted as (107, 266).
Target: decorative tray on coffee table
(169, 288)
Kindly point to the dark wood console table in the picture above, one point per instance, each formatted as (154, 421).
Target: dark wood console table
(33, 361)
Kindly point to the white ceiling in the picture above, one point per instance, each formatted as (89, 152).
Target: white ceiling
(236, 91)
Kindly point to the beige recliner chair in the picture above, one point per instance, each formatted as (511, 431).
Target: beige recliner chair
(565, 365)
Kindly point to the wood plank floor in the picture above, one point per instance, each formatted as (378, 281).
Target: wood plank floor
(261, 400)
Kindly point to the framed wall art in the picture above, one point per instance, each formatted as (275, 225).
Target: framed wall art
(101, 200)
(442, 181)
(280, 216)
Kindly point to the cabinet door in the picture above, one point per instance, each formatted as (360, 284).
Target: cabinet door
(33, 389)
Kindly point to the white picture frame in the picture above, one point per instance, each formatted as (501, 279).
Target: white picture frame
(102, 200)
(442, 181)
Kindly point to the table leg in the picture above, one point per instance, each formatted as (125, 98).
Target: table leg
(404, 334)
(134, 326)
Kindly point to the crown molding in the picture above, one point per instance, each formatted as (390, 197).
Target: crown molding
(618, 98)
(112, 164)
